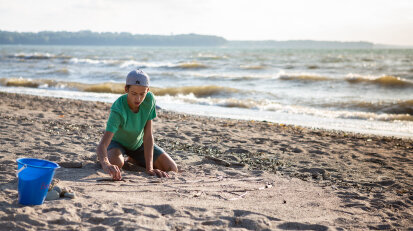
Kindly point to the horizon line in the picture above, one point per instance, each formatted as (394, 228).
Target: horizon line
(229, 40)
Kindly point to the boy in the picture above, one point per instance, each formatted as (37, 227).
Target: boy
(129, 131)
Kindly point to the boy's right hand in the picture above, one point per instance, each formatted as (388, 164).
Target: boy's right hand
(112, 170)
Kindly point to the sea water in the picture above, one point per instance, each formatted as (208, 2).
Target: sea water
(358, 90)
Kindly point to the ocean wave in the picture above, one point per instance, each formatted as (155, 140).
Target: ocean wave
(190, 65)
(183, 65)
(37, 55)
(207, 56)
(19, 82)
(140, 64)
(221, 96)
(367, 60)
(123, 63)
(222, 102)
(385, 81)
(61, 71)
(304, 77)
(88, 61)
(118, 88)
(253, 67)
(198, 91)
(398, 107)
(231, 76)
(47, 83)
(342, 114)
(374, 116)
(311, 67)
(111, 87)
(335, 59)
(248, 104)
(266, 105)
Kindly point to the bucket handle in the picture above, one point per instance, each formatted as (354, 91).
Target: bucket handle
(21, 169)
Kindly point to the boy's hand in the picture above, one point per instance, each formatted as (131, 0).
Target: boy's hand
(157, 172)
(112, 170)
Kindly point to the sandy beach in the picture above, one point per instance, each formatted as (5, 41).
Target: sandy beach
(234, 175)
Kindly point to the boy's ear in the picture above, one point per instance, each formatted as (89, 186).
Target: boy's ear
(126, 89)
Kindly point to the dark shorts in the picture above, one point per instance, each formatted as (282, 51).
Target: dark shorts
(138, 154)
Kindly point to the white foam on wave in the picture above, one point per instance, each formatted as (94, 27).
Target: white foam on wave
(398, 129)
(134, 63)
(86, 96)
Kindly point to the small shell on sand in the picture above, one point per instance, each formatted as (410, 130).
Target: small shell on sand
(52, 195)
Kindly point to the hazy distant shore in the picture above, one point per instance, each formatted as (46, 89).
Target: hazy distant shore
(128, 39)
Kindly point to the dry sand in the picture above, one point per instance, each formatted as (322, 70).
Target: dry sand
(235, 175)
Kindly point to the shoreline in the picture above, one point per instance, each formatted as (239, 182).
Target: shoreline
(319, 179)
(200, 110)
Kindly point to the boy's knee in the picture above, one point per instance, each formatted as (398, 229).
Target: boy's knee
(173, 167)
(166, 163)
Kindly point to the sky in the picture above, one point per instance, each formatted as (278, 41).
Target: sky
(377, 21)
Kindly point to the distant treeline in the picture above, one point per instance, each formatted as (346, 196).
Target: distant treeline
(128, 39)
(108, 38)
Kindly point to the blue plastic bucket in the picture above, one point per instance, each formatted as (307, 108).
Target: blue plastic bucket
(34, 176)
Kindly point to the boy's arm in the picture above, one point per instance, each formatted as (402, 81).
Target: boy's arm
(102, 153)
(148, 143)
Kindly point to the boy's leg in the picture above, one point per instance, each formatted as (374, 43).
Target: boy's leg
(162, 160)
(115, 157)
(165, 163)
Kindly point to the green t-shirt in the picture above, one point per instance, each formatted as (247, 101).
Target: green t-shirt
(128, 126)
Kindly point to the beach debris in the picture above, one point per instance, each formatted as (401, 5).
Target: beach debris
(238, 164)
(219, 161)
(110, 180)
(54, 182)
(238, 197)
(267, 185)
(157, 181)
(402, 191)
(65, 190)
(71, 164)
(57, 189)
(198, 194)
(52, 195)
(55, 192)
(71, 195)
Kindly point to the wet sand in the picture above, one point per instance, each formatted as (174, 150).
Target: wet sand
(240, 175)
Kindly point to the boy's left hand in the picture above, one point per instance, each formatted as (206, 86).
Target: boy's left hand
(158, 173)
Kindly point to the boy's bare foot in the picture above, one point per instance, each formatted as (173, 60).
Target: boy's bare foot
(130, 160)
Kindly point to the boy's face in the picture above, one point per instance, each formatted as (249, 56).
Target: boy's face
(136, 95)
